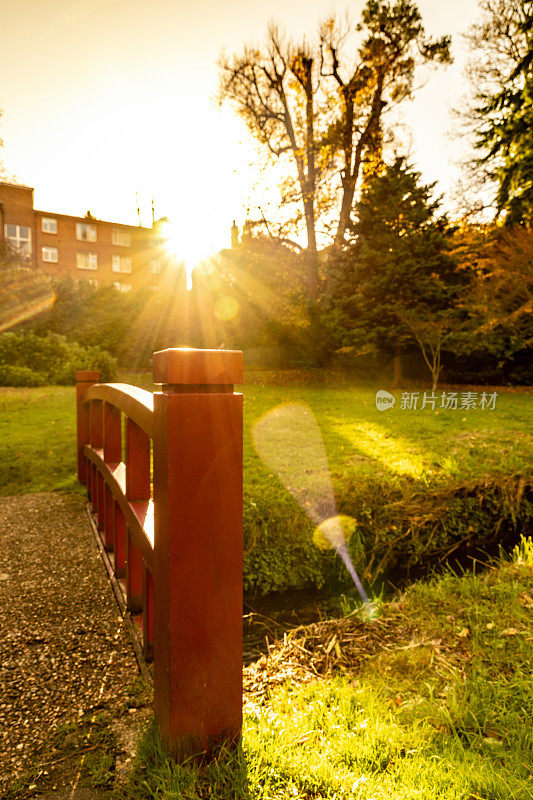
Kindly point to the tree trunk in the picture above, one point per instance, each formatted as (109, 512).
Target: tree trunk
(397, 377)
(346, 209)
(311, 258)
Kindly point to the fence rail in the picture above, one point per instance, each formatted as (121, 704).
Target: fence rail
(164, 479)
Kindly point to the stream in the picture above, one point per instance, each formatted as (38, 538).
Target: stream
(268, 618)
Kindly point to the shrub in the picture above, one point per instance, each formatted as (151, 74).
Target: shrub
(20, 376)
(52, 358)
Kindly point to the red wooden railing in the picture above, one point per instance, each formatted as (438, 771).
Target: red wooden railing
(176, 541)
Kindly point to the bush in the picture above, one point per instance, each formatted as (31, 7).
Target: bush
(20, 376)
(52, 359)
(397, 536)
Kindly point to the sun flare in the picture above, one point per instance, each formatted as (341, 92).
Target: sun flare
(185, 245)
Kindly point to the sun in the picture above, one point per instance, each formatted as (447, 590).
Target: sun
(186, 245)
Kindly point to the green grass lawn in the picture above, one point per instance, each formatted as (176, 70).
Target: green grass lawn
(37, 439)
(423, 447)
(369, 462)
(442, 710)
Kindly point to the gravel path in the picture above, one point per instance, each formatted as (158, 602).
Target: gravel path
(65, 656)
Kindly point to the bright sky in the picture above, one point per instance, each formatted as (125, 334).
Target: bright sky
(103, 99)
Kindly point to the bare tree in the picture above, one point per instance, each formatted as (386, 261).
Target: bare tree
(321, 107)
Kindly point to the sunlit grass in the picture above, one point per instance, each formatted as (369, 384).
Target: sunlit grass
(419, 447)
(424, 446)
(441, 712)
(37, 439)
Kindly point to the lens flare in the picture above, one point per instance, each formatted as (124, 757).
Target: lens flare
(288, 440)
(333, 532)
(226, 308)
(24, 294)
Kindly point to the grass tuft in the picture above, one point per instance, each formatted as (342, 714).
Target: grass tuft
(441, 710)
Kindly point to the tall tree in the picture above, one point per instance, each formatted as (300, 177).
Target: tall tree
(320, 107)
(397, 284)
(498, 114)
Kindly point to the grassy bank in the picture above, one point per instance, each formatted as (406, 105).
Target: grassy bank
(439, 705)
(37, 439)
(421, 448)
(419, 483)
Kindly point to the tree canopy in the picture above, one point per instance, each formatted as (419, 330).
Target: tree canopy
(397, 283)
(499, 113)
(320, 106)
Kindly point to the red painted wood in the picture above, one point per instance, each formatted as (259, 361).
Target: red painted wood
(94, 490)
(109, 527)
(112, 434)
(89, 478)
(84, 379)
(96, 419)
(137, 463)
(148, 614)
(101, 502)
(188, 366)
(197, 567)
(192, 601)
(134, 577)
(120, 543)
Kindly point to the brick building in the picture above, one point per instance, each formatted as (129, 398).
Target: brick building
(82, 248)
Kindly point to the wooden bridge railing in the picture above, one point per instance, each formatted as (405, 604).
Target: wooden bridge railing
(176, 539)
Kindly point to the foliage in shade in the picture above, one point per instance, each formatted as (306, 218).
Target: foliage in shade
(397, 283)
(499, 299)
(507, 134)
(497, 115)
(27, 359)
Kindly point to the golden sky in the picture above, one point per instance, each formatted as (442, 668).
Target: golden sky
(103, 99)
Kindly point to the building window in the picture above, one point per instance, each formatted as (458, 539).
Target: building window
(49, 254)
(19, 237)
(155, 267)
(155, 241)
(120, 238)
(85, 232)
(86, 261)
(91, 281)
(49, 225)
(122, 287)
(122, 264)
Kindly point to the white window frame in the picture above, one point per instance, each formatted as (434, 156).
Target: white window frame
(91, 260)
(155, 267)
(122, 264)
(120, 238)
(122, 287)
(22, 244)
(86, 232)
(49, 225)
(49, 255)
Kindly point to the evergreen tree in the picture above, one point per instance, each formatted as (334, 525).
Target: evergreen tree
(497, 116)
(397, 284)
(509, 134)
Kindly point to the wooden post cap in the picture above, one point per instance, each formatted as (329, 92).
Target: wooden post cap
(188, 366)
(86, 375)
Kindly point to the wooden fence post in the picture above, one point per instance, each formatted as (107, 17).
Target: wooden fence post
(84, 379)
(197, 549)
